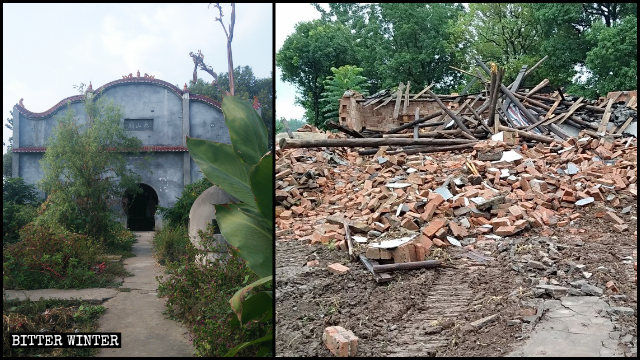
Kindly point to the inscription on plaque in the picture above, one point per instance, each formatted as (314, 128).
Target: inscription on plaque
(138, 124)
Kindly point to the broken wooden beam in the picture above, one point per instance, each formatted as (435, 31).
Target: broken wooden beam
(367, 142)
(455, 118)
(419, 149)
(528, 135)
(411, 124)
(414, 265)
(378, 277)
(343, 129)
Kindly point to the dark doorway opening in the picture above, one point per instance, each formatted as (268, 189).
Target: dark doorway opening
(141, 208)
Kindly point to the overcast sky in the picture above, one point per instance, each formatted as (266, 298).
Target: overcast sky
(48, 48)
(287, 16)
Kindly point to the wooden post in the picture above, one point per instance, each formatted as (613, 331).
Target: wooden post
(455, 118)
(416, 127)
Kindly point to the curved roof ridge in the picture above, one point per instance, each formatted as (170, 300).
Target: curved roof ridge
(124, 80)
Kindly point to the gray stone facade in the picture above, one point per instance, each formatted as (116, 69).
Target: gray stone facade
(158, 113)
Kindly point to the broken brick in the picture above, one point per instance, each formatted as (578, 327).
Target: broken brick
(337, 269)
(340, 342)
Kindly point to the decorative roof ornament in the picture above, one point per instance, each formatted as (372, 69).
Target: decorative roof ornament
(90, 88)
(185, 89)
(256, 103)
(20, 102)
(138, 73)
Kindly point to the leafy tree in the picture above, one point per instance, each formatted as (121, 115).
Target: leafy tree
(344, 78)
(613, 61)
(306, 59)
(85, 170)
(178, 214)
(247, 86)
(19, 204)
(7, 158)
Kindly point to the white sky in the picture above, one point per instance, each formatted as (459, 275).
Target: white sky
(288, 15)
(48, 48)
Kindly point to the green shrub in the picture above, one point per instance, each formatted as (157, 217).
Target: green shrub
(49, 256)
(19, 207)
(199, 296)
(119, 240)
(178, 214)
(171, 244)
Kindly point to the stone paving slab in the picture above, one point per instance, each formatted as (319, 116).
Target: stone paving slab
(97, 295)
(138, 313)
(573, 326)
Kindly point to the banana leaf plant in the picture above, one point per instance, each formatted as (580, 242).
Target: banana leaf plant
(244, 169)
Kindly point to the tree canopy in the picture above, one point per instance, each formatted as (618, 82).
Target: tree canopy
(418, 42)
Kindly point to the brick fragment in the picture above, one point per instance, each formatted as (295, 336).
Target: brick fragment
(434, 226)
(340, 341)
(337, 269)
(313, 263)
(613, 217)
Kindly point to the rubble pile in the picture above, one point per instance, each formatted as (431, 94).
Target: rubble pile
(401, 207)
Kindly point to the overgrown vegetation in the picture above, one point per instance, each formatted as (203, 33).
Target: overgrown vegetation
(52, 257)
(178, 214)
(19, 207)
(344, 78)
(62, 242)
(198, 295)
(592, 47)
(171, 244)
(48, 316)
(85, 171)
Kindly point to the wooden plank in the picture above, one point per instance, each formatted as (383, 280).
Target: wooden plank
(396, 109)
(286, 127)
(572, 109)
(416, 127)
(305, 143)
(423, 91)
(602, 129)
(537, 88)
(624, 126)
(384, 103)
(632, 102)
(406, 98)
(455, 118)
(553, 108)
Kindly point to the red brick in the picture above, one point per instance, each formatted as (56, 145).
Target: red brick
(457, 230)
(439, 243)
(420, 252)
(340, 342)
(516, 211)
(426, 244)
(286, 215)
(337, 269)
(501, 221)
(434, 226)
(313, 263)
(613, 217)
(506, 230)
(621, 228)
(409, 225)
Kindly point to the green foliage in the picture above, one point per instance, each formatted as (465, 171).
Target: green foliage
(247, 86)
(48, 316)
(613, 61)
(344, 78)
(50, 256)
(85, 170)
(244, 169)
(198, 296)
(19, 207)
(171, 244)
(293, 124)
(178, 214)
(306, 58)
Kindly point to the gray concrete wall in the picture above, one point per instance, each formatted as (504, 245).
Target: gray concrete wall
(165, 172)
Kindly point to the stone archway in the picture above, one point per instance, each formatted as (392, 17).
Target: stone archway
(141, 208)
(203, 213)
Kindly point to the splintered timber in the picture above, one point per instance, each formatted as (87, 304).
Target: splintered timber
(94, 340)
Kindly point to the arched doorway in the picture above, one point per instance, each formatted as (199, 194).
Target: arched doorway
(141, 208)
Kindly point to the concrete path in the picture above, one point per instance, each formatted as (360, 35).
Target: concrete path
(137, 314)
(575, 326)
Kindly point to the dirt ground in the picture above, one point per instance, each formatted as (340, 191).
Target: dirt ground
(427, 312)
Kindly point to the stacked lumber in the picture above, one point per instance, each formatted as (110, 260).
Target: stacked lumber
(426, 122)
